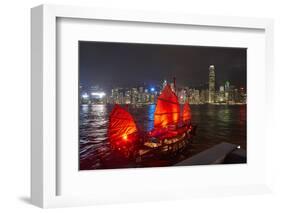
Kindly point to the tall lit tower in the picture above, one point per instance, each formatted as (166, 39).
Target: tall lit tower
(212, 83)
(164, 84)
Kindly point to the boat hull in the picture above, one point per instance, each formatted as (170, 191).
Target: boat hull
(151, 149)
(162, 152)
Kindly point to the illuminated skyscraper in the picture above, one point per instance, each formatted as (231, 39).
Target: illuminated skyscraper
(164, 84)
(212, 83)
(227, 90)
(134, 97)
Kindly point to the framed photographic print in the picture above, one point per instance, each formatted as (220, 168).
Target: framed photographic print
(143, 120)
(148, 105)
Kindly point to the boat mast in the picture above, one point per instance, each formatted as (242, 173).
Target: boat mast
(175, 88)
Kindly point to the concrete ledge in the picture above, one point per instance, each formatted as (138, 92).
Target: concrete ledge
(214, 155)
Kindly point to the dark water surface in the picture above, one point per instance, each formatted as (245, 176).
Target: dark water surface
(215, 124)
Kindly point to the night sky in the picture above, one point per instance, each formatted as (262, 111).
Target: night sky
(110, 65)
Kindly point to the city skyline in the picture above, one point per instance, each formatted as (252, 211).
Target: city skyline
(226, 94)
(108, 65)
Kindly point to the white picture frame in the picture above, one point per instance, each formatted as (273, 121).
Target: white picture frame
(44, 154)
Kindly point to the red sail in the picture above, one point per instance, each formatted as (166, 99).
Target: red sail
(121, 126)
(186, 112)
(167, 109)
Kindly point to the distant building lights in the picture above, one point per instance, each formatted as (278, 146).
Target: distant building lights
(85, 96)
(99, 94)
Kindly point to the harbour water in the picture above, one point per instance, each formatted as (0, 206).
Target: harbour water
(215, 124)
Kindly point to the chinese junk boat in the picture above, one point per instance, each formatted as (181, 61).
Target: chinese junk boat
(171, 133)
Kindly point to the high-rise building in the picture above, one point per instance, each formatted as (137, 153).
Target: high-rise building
(164, 84)
(212, 83)
(127, 97)
(181, 96)
(173, 87)
(236, 96)
(196, 96)
(204, 96)
(227, 89)
(221, 95)
(141, 89)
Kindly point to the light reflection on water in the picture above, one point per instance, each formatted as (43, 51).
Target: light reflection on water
(216, 124)
(151, 109)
